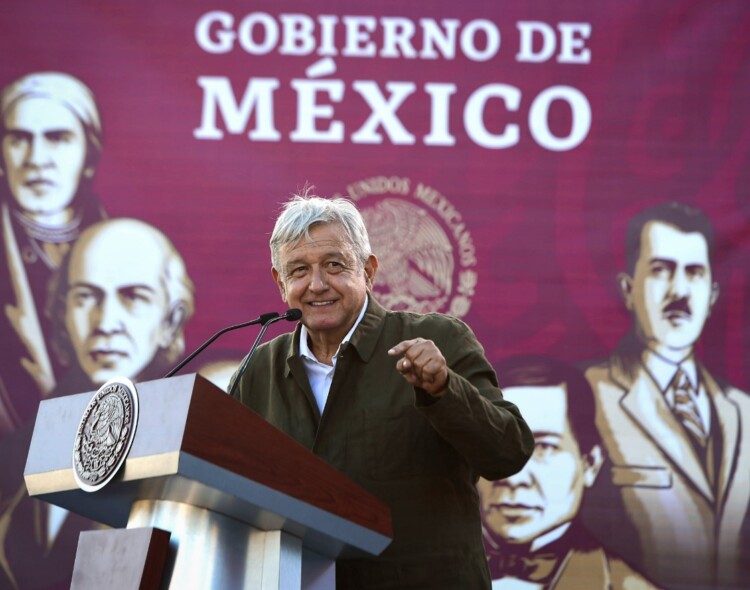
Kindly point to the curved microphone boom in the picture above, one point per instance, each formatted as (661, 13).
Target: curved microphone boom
(263, 318)
(291, 315)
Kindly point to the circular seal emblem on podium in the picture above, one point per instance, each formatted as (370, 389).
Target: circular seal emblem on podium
(105, 434)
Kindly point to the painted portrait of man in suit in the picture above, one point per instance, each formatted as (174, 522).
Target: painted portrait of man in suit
(530, 521)
(680, 473)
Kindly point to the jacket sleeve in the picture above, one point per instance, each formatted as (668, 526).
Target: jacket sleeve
(488, 431)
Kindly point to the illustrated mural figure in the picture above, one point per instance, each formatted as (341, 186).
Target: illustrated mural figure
(119, 304)
(680, 470)
(51, 143)
(532, 532)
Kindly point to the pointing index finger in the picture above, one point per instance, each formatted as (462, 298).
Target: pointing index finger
(402, 347)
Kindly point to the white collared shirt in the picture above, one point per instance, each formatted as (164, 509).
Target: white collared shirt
(663, 372)
(511, 583)
(320, 375)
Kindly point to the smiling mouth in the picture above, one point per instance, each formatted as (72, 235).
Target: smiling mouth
(320, 303)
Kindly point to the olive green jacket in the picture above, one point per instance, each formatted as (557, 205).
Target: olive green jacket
(418, 454)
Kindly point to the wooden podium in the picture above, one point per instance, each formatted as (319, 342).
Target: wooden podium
(246, 506)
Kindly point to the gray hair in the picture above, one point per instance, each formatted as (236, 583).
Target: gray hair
(304, 211)
(70, 92)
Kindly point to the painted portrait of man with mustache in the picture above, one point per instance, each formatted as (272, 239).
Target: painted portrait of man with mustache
(672, 431)
(670, 290)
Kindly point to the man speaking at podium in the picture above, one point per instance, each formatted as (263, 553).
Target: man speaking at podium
(404, 404)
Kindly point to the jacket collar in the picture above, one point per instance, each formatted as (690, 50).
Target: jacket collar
(364, 339)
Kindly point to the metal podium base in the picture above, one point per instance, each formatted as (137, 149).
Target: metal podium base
(209, 551)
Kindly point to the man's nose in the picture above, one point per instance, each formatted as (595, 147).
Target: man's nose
(679, 285)
(524, 478)
(38, 153)
(110, 317)
(318, 280)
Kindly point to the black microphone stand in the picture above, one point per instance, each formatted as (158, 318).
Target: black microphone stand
(262, 319)
(291, 315)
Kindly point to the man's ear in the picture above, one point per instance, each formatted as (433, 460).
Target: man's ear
(371, 269)
(277, 279)
(593, 465)
(714, 296)
(173, 324)
(625, 282)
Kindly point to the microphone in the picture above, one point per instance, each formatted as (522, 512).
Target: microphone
(291, 315)
(263, 318)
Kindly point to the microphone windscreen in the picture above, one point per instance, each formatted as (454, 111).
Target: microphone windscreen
(293, 314)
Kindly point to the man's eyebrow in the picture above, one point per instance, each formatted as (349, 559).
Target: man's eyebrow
(16, 131)
(672, 263)
(26, 134)
(21, 130)
(329, 254)
(294, 262)
(59, 131)
(140, 286)
(667, 261)
(83, 285)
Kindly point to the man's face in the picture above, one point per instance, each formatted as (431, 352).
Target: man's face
(671, 293)
(116, 307)
(44, 154)
(322, 277)
(547, 492)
